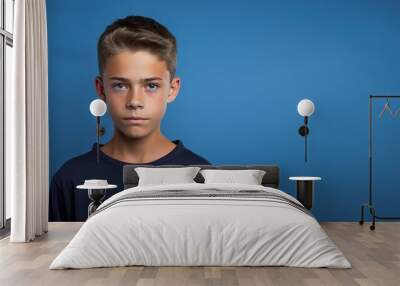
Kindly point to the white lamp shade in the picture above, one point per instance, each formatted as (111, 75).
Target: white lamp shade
(98, 107)
(305, 107)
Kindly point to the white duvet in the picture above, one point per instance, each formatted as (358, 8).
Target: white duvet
(200, 231)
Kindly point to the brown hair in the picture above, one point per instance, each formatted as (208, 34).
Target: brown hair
(136, 33)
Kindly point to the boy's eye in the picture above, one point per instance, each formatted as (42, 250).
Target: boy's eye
(119, 86)
(151, 86)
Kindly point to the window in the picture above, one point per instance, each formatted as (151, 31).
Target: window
(6, 62)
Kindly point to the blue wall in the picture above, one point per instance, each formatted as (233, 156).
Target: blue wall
(244, 67)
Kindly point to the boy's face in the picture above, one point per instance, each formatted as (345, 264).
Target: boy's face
(136, 84)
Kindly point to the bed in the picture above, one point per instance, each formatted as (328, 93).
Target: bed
(201, 224)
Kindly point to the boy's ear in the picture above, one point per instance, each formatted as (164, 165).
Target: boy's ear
(174, 89)
(100, 88)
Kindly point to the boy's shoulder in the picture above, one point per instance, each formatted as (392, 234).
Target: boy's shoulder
(74, 165)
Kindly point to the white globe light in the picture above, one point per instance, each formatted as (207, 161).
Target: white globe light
(98, 107)
(305, 107)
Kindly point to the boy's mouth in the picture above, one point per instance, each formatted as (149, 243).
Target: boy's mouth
(135, 120)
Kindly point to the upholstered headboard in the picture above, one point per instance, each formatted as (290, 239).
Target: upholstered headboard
(270, 179)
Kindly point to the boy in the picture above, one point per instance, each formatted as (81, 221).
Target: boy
(137, 62)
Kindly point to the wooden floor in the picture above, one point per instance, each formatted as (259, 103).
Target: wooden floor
(374, 255)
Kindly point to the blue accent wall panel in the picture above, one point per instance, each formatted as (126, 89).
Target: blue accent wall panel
(244, 67)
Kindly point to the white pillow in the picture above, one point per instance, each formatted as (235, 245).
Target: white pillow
(249, 177)
(162, 176)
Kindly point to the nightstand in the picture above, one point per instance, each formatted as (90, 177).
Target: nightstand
(96, 191)
(305, 189)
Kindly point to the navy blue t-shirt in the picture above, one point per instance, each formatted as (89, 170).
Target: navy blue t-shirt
(66, 203)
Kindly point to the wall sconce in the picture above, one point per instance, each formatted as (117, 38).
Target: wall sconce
(98, 108)
(305, 108)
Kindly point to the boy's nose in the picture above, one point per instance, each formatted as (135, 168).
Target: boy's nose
(135, 100)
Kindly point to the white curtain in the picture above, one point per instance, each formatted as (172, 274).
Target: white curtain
(26, 145)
